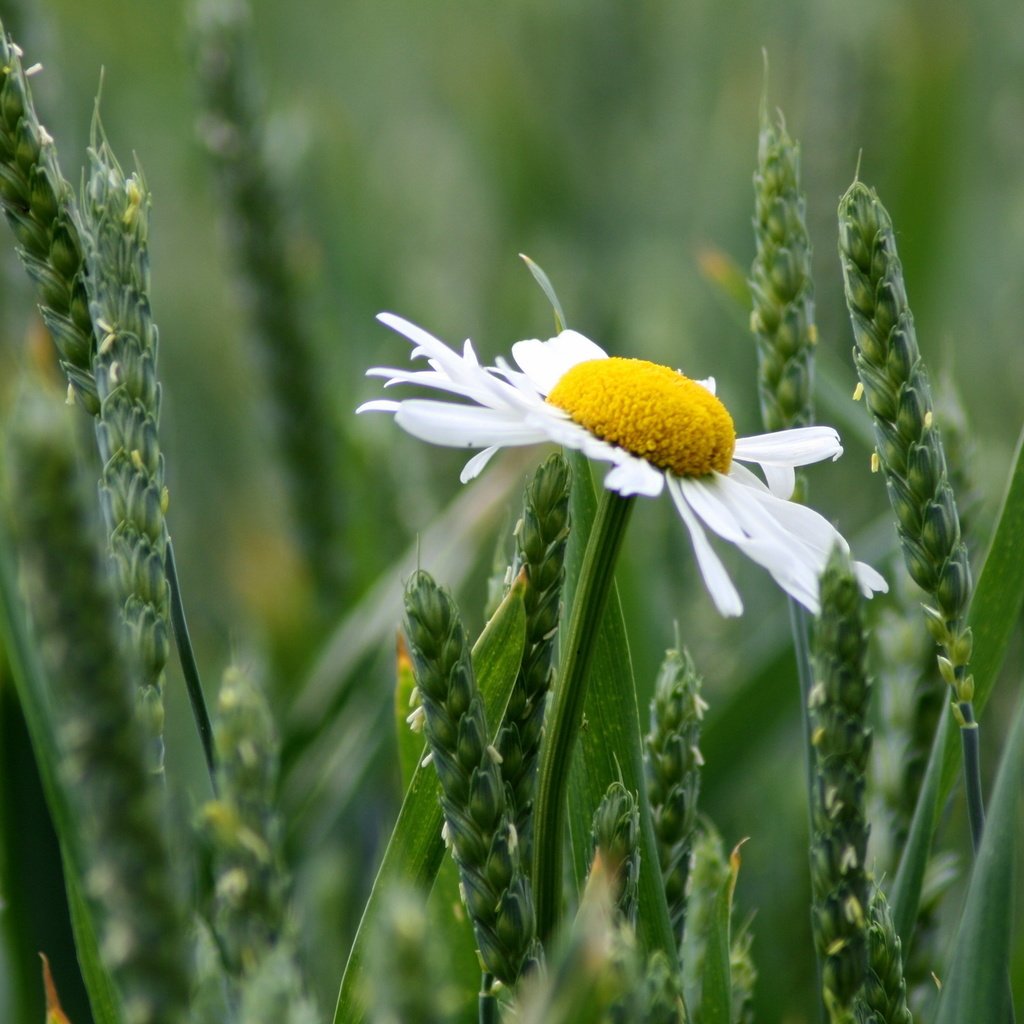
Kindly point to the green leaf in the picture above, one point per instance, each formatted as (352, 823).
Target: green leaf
(610, 747)
(994, 613)
(716, 986)
(978, 984)
(415, 849)
(542, 279)
(31, 689)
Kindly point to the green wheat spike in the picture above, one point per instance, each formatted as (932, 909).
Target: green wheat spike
(841, 740)
(673, 762)
(115, 208)
(909, 448)
(780, 282)
(883, 999)
(478, 827)
(541, 537)
(40, 207)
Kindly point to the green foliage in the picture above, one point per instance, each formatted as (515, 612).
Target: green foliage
(615, 143)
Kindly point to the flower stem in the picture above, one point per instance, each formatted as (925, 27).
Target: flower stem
(972, 770)
(566, 712)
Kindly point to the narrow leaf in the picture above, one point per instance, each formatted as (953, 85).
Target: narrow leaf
(415, 849)
(977, 987)
(542, 279)
(30, 687)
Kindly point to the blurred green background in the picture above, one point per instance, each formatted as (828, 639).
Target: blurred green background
(423, 145)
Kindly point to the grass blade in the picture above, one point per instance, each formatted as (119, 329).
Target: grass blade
(977, 988)
(28, 681)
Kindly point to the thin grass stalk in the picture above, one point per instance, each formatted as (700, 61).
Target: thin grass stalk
(103, 766)
(40, 208)
(255, 214)
(566, 711)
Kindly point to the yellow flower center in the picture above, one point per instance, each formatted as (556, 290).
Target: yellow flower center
(651, 411)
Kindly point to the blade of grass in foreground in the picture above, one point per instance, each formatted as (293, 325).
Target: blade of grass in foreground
(28, 681)
(415, 850)
(976, 987)
(993, 615)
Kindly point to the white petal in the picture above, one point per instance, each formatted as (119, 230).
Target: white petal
(716, 579)
(869, 579)
(546, 362)
(631, 475)
(735, 512)
(471, 470)
(781, 480)
(464, 426)
(708, 383)
(798, 447)
(379, 405)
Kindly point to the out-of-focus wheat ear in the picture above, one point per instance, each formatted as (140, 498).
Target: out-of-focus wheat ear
(616, 842)
(883, 999)
(841, 740)
(409, 973)
(673, 762)
(115, 210)
(261, 245)
(104, 769)
(40, 208)
(243, 828)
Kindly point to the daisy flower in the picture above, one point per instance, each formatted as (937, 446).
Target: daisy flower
(657, 429)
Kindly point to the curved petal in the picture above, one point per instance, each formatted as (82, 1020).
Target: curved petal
(735, 513)
(797, 447)
(631, 475)
(379, 405)
(781, 480)
(870, 580)
(545, 362)
(716, 579)
(464, 426)
(471, 470)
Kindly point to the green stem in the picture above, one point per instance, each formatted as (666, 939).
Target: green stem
(189, 667)
(487, 1005)
(566, 712)
(972, 772)
(971, 740)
